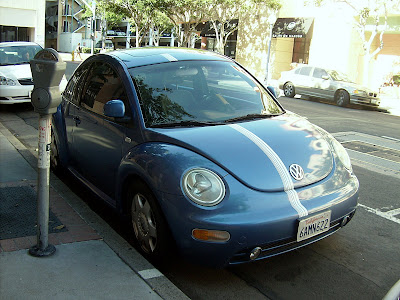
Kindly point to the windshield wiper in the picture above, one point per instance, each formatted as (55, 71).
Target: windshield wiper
(187, 123)
(251, 117)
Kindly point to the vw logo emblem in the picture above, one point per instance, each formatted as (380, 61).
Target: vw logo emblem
(296, 171)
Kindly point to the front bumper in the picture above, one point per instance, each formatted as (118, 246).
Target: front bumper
(15, 94)
(369, 101)
(256, 219)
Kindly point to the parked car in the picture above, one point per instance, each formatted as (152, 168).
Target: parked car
(327, 84)
(108, 45)
(16, 82)
(198, 154)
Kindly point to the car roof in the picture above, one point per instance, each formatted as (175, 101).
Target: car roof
(5, 44)
(135, 57)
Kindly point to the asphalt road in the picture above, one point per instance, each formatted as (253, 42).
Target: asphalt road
(360, 261)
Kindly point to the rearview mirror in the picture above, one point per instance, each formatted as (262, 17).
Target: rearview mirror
(114, 109)
(325, 77)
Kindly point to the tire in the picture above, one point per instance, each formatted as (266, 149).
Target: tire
(342, 98)
(149, 226)
(289, 90)
(55, 164)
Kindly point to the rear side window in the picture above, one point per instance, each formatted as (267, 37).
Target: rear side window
(74, 86)
(318, 73)
(103, 84)
(305, 71)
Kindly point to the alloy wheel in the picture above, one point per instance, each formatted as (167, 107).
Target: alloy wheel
(144, 224)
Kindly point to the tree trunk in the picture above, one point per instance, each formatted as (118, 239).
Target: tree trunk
(367, 59)
(137, 36)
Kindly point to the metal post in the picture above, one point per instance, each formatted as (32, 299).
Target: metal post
(93, 26)
(43, 248)
(128, 36)
(268, 54)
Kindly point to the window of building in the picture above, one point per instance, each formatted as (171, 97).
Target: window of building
(13, 33)
(301, 50)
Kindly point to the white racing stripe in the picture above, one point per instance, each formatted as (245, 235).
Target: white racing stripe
(169, 57)
(279, 166)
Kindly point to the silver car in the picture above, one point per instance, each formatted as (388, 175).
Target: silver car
(328, 84)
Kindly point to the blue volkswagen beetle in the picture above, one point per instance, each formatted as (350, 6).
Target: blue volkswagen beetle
(201, 156)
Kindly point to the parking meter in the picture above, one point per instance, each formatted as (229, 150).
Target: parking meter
(47, 71)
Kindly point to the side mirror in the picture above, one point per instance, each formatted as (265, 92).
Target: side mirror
(272, 90)
(325, 77)
(114, 109)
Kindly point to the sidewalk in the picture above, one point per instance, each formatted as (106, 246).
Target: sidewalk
(91, 261)
(68, 57)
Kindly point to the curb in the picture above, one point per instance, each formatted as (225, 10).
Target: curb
(145, 270)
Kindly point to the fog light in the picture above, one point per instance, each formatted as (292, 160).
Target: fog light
(345, 220)
(211, 235)
(255, 253)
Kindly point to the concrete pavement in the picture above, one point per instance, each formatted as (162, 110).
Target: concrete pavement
(92, 261)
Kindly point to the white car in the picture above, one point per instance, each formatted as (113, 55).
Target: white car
(16, 82)
(328, 84)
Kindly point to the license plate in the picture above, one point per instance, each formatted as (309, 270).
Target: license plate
(313, 225)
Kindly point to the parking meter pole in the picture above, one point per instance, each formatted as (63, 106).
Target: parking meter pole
(47, 71)
(43, 248)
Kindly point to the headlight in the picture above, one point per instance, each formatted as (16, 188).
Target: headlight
(337, 147)
(360, 93)
(203, 187)
(342, 154)
(7, 81)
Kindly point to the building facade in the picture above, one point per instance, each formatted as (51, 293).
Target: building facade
(329, 39)
(22, 20)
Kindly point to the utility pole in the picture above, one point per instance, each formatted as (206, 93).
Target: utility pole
(92, 7)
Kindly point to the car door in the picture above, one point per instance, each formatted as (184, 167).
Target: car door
(98, 139)
(70, 101)
(322, 84)
(303, 81)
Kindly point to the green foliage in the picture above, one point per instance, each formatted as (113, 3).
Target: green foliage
(87, 50)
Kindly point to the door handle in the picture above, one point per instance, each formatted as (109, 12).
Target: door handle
(77, 120)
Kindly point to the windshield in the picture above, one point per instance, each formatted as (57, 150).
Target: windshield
(338, 76)
(207, 92)
(16, 55)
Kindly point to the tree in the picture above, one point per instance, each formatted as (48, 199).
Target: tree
(221, 14)
(185, 15)
(160, 24)
(107, 17)
(138, 12)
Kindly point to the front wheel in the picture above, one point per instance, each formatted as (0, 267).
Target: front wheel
(342, 98)
(54, 155)
(149, 226)
(288, 89)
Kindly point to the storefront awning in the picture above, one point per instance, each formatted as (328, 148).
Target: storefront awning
(292, 27)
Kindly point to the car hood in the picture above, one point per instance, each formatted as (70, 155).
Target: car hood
(16, 71)
(259, 153)
(353, 86)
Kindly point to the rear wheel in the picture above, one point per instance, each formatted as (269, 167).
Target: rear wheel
(149, 225)
(288, 89)
(342, 98)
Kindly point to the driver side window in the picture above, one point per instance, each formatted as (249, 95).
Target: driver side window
(103, 84)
